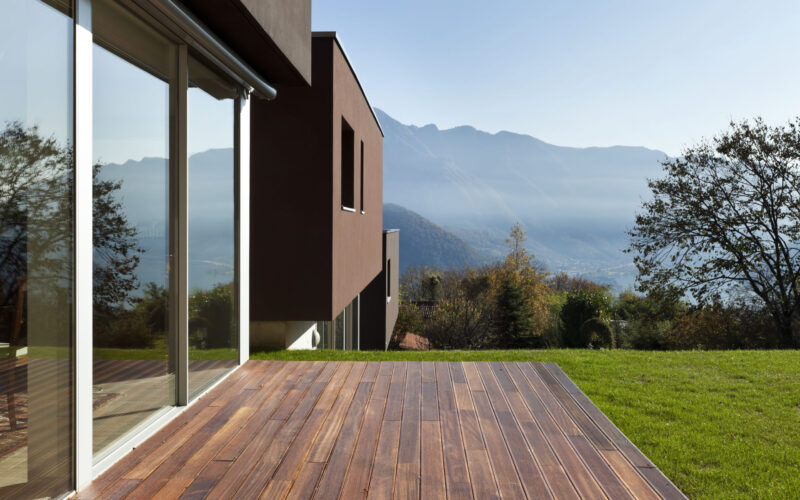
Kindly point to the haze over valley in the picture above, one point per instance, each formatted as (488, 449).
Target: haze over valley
(574, 203)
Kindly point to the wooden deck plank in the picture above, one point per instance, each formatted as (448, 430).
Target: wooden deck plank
(432, 482)
(661, 483)
(262, 436)
(382, 430)
(171, 442)
(628, 474)
(553, 472)
(621, 441)
(261, 473)
(284, 475)
(381, 482)
(311, 470)
(394, 402)
(159, 477)
(581, 419)
(407, 478)
(453, 453)
(269, 396)
(553, 420)
(332, 480)
(528, 470)
(201, 486)
(484, 484)
(326, 439)
(655, 477)
(609, 481)
(257, 390)
(356, 483)
(503, 469)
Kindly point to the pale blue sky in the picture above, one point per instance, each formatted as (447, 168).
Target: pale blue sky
(661, 74)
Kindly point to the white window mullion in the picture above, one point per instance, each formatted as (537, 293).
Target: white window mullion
(242, 196)
(83, 242)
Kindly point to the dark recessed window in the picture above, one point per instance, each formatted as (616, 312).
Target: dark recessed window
(348, 166)
(389, 279)
(363, 208)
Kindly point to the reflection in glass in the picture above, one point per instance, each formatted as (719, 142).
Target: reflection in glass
(342, 332)
(132, 376)
(36, 241)
(213, 332)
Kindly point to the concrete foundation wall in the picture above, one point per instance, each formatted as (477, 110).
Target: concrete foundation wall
(284, 334)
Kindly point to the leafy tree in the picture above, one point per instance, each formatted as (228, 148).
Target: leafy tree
(116, 249)
(513, 317)
(726, 217)
(36, 224)
(520, 269)
(35, 212)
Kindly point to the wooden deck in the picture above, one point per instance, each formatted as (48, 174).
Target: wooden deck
(391, 429)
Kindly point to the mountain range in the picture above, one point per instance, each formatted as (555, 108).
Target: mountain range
(575, 204)
(453, 193)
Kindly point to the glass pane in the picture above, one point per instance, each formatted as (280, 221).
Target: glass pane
(36, 241)
(213, 332)
(132, 375)
(338, 326)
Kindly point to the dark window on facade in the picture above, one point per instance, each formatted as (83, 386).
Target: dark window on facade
(348, 166)
(362, 176)
(389, 279)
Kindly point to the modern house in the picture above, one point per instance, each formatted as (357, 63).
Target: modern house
(317, 171)
(176, 177)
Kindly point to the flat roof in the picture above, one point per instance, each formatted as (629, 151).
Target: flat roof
(332, 34)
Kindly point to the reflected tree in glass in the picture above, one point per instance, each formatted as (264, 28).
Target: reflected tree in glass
(36, 213)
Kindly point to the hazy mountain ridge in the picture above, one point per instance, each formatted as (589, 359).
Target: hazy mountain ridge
(423, 243)
(143, 194)
(575, 203)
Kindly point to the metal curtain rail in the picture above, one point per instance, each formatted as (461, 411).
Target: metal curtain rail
(208, 43)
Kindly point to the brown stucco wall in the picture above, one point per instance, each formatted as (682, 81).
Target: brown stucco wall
(357, 245)
(291, 177)
(378, 316)
(273, 36)
(309, 259)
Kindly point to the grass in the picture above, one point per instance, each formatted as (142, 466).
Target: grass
(720, 424)
(161, 354)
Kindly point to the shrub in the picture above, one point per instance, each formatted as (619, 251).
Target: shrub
(409, 318)
(644, 334)
(460, 323)
(719, 326)
(581, 306)
(598, 333)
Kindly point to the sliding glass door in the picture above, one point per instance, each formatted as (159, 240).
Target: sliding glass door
(37, 176)
(159, 194)
(213, 329)
(133, 377)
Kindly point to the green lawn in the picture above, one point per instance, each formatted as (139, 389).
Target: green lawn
(723, 424)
